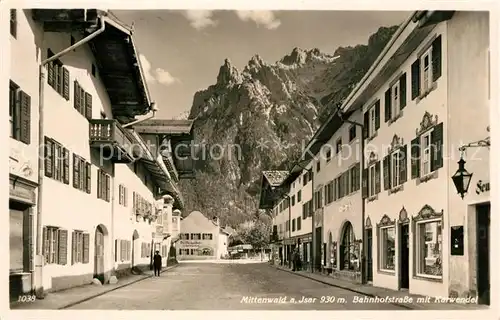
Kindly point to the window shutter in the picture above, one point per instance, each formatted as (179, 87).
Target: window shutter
(358, 176)
(388, 108)
(88, 171)
(76, 95)
(49, 157)
(403, 173)
(73, 247)
(402, 91)
(124, 249)
(415, 158)
(107, 187)
(364, 184)
(45, 244)
(66, 166)
(25, 117)
(50, 73)
(88, 105)
(436, 58)
(27, 239)
(128, 249)
(366, 124)
(99, 187)
(437, 147)
(63, 246)
(415, 79)
(86, 248)
(117, 248)
(65, 83)
(378, 166)
(377, 115)
(125, 196)
(387, 172)
(76, 171)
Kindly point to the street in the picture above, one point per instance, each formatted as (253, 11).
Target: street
(213, 286)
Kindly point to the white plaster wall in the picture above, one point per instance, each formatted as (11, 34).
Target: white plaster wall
(468, 44)
(68, 127)
(413, 197)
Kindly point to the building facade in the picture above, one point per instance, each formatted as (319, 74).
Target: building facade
(91, 157)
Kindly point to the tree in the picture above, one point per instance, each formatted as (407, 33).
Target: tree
(257, 235)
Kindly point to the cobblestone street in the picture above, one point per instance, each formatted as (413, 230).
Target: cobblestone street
(196, 286)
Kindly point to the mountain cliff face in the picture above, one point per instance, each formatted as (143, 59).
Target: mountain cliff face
(259, 118)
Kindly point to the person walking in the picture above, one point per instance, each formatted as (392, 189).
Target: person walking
(157, 263)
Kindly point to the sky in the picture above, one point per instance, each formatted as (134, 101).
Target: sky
(181, 51)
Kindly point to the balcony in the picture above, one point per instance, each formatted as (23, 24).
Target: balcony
(112, 140)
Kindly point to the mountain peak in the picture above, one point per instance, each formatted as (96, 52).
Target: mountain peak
(299, 56)
(228, 74)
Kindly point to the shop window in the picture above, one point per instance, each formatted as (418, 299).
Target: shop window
(387, 248)
(349, 255)
(429, 248)
(16, 242)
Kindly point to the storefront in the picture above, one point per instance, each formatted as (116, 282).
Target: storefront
(22, 200)
(199, 239)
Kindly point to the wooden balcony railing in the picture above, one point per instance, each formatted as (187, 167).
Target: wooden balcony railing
(115, 143)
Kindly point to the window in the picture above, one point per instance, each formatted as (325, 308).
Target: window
(395, 97)
(293, 200)
(305, 179)
(16, 240)
(429, 249)
(195, 236)
(19, 114)
(77, 247)
(396, 168)
(349, 253)
(103, 185)
(82, 101)
(122, 195)
(82, 173)
(318, 200)
(293, 225)
(318, 166)
(299, 223)
(329, 193)
(387, 248)
(55, 245)
(338, 145)
(58, 76)
(328, 155)
(310, 210)
(184, 236)
(372, 178)
(13, 22)
(372, 120)
(425, 142)
(426, 70)
(56, 161)
(207, 236)
(94, 70)
(355, 178)
(299, 196)
(352, 133)
(184, 252)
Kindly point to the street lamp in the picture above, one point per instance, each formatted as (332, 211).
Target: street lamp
(461, 178)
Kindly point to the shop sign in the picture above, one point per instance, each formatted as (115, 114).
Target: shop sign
(482, 187)
(190, 244)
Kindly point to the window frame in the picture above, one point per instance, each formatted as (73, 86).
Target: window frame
(338, 145)
(14, 111)
(426, 165)
(352, 132)
(396, 159)
(383, 249)
(372, 183)
(418, 249)
(206, 238)
(192, 236)
(426, 85)
(396, 99)
(372, 120)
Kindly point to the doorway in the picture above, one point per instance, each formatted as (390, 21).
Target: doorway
(404, 253)
(319, 246)
(369, 256)
(99, 254)
(483, 253)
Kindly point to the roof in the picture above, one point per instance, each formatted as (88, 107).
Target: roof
(275, 178)
(165, 126)
(176, 212)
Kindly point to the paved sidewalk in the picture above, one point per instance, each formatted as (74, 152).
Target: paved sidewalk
(378, 292)
(67, 298)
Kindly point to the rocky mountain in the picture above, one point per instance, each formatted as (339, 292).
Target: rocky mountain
(260, 117)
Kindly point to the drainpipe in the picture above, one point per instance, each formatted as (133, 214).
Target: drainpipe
(154, 109)
(41, 153)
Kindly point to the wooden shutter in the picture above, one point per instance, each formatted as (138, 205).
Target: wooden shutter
(25, 117)
(415, 79)
(125, 196)
(436, 58)
(76, 171)
(387, 172)
(99, 187)
(107, 187)
(358, 176)
(377, 115)
(65, 166)
(402, 91)
(62, 246)
(82, 102)
(437, 147)
(124, 250)
(65, 83)
(88, 105)
(378, 166)
(117, 249)
(86, 248)
(128, 249)
(45, 244)
(388, 109)
(415, 158)
(49, 157)
(73, 247)
(366, 124)
(76, 95)
(50, 73)
(88, 171)
(403, 171)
